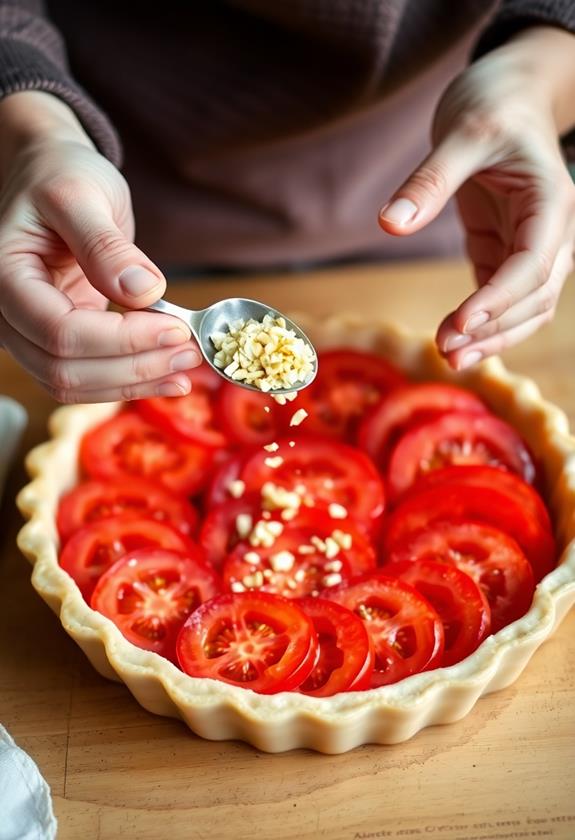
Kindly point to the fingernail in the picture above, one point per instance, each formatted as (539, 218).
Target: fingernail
(173, 389)
(184, 361)
(470, 359)
(173, 336)
(455, 341)
(137, 281)
(476, 321)
(400, 211)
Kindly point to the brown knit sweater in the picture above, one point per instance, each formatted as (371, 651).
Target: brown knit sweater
(257, 132)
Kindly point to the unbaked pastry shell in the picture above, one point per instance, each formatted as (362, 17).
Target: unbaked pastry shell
(287, 721)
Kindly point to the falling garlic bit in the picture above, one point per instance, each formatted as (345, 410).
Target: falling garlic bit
(271, 447)
(337, 511)
(298, 417)
(274, 462)
(236, 488)
(266, 354)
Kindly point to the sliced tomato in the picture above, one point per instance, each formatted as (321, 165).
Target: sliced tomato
(348, 383)
(194, 417)
(406, 631)
(218, 490)
(300, 562)
(489, 556)
(127, 447)
(219, 533)
(403, 407)
(455, 439)
(244, 417)
(483, 476)
(323, 471)
(93, 501)
(346, 654)
(148, 594)
(92, 550)
(250, 639)
(457, 599)
(464, 502)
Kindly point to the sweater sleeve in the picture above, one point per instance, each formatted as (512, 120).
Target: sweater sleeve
(514, 15)
(33, 57)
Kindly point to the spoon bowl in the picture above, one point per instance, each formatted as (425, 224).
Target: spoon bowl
(217, 318)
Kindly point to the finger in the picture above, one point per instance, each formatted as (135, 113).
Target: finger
(542, 301)
(47, 317)
(538, 238)
(472, 354)
(74, 375)
(110, 261)
(426, 192)
(173, 386)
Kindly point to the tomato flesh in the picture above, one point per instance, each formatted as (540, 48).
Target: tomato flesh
(323, 471)
(194, 417)
(346, 655)
(457, 438)
(148, 594)
(464, 502)
(406, 406)
(244, 418)
(456, 598)
(484, 476)
(93, 549)
(347, 384)
(93, 501)
(249, 639)
(406, 631)
(300, 562)
(127, 447)
(488, 555)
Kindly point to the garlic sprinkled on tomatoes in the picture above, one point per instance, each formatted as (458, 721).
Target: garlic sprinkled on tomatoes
(264, 353)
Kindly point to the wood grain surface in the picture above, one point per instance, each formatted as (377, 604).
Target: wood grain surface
(504, 772)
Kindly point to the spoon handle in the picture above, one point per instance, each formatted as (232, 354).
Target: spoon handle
(190, 317)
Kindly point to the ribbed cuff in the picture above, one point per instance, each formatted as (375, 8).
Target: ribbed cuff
(23, 67)
(515, 15)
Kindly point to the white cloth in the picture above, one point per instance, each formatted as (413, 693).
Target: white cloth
(25, 802)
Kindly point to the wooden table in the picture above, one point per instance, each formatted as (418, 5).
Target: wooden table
(505, 771)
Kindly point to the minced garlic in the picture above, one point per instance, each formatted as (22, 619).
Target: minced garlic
(298, 417)
(266, 354)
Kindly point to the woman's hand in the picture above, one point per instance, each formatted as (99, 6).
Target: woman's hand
(495, 138)
(66, 249)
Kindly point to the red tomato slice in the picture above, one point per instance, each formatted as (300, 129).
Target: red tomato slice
(346, 654)
(406, 631)
(457, 599)
(252, 640)
(457, 439)
(93, 501)
(218, 534)
(194, 417)
(218, 490)
(381, 428)
(490, 557)
(348, 383)
(244, 418)
(484, 476)
(461, 503)
(127, 447)
(148, 594)
(92, 550)
(326, 472)
(301, 544)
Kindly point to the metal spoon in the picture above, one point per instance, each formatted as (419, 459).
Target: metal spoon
(216, 318)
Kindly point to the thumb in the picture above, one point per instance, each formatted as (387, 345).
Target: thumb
(110, 261)
(427, 190)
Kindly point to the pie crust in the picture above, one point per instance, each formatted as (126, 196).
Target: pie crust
(287, 721)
